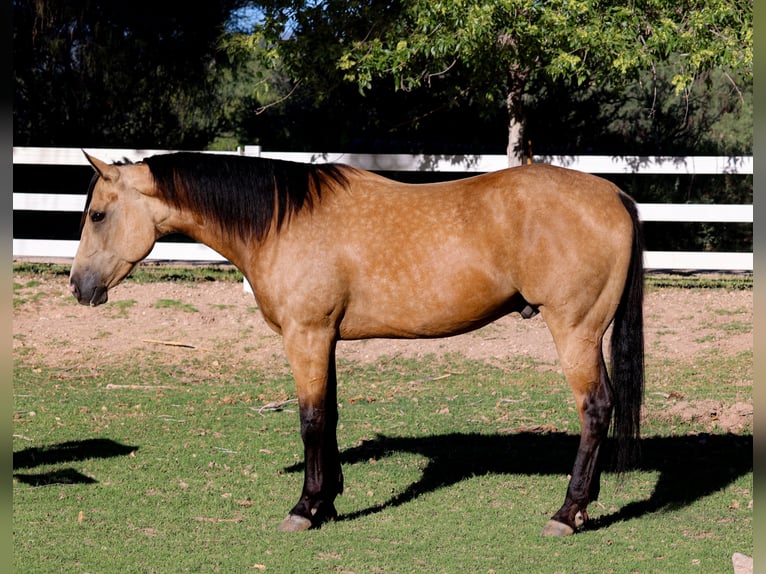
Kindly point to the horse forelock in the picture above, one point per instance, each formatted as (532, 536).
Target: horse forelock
(243, 195)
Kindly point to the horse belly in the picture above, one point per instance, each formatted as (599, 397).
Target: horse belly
(427, 305)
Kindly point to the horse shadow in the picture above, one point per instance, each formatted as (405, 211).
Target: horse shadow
(63, 453)
(690, 467)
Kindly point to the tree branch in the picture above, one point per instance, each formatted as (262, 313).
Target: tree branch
(736, 87)
(262, 109)
(442, 73)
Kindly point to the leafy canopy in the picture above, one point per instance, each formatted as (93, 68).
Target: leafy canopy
(588, 40)
(415, 41)
(141, 73)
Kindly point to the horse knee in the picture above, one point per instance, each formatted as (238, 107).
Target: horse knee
(313, 423)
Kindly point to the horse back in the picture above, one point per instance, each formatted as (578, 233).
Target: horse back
(400, 260)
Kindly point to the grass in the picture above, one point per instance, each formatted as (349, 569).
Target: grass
(145, 272)
(148, 272)
(737, 327)
(451, 465)
(174, 304)
(733, 281)
(121, 307)
(26, 292)
(727, 378)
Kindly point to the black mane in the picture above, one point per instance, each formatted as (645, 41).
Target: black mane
(244, 195)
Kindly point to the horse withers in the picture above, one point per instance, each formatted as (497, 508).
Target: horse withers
(337, 253)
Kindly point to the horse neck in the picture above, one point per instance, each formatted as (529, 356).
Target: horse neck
(232, 246)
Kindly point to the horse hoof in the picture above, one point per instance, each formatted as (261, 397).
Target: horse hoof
(295, 523)
(556, 528)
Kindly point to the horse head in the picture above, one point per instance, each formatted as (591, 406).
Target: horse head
(120, 226)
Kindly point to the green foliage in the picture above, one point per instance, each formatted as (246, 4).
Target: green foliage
(578, 40)
(117, 74)
(498, 53)
(654, 78)
(642, 117)
(437, 77)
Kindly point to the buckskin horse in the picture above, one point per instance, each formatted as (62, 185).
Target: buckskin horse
(336, 253)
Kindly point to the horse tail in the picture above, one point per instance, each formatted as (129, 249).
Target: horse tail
(627, 352)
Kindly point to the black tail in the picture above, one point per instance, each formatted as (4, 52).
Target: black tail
(627, 352)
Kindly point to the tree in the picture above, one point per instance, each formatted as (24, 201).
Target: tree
(498, 49)
(643, 117)
(140, 73)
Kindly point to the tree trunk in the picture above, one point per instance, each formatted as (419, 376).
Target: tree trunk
(515, 145)
(517, 82)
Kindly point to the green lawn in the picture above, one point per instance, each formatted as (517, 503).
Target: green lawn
(451, 465)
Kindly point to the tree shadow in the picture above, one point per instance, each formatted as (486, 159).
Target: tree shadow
(65, 452)
(690, 467)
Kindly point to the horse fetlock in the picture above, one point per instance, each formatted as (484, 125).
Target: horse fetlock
(324, 511)
(566, 521)
(306, 515)
(557, 528)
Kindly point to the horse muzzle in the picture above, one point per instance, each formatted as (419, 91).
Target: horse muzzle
(88, 292)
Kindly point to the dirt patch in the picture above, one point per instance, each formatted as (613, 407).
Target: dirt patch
(218, 321)
(711, 414)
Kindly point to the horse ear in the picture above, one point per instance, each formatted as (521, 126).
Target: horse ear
(107, 172)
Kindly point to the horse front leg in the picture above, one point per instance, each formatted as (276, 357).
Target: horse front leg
(313, 367)
(594, 404)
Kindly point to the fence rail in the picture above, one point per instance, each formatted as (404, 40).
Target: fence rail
(680, 260)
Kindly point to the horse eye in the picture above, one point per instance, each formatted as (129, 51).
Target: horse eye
(96, 216)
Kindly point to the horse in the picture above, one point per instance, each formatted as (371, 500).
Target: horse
(335, 253)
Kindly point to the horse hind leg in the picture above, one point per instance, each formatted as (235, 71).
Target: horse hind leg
(583, 364)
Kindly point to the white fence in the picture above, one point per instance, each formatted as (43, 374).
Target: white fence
(677, 260)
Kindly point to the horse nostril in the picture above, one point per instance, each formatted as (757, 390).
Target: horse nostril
(74, 289)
